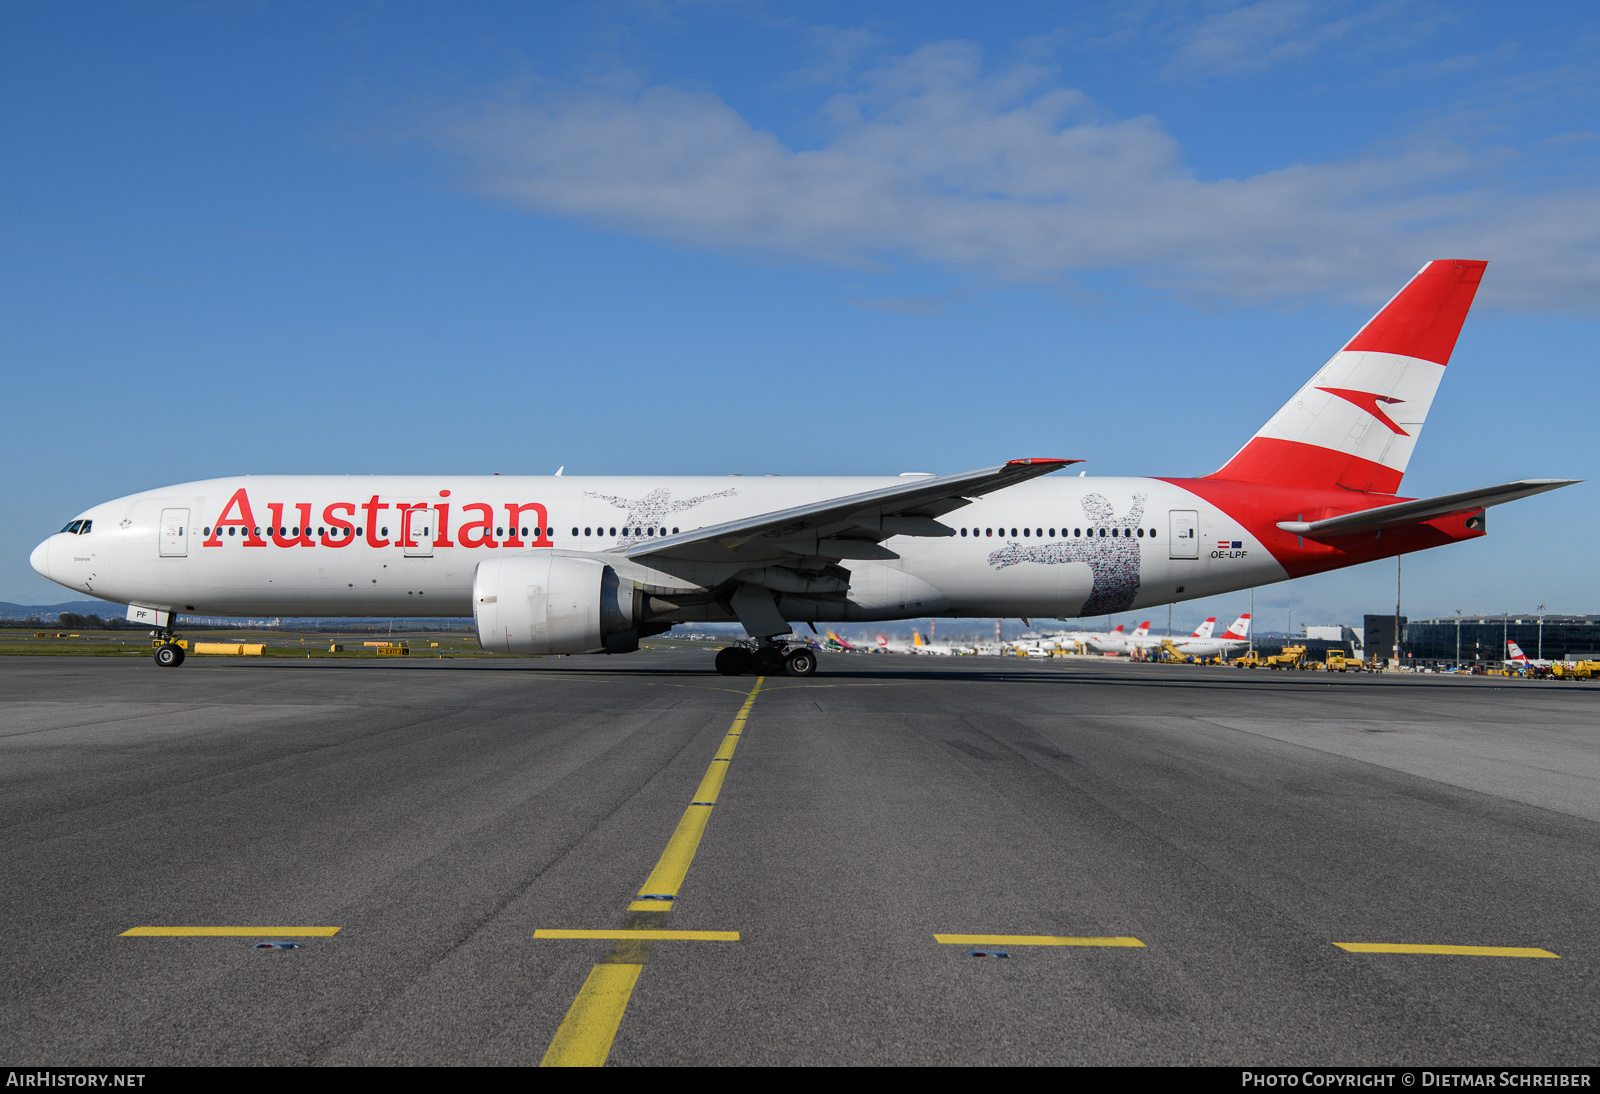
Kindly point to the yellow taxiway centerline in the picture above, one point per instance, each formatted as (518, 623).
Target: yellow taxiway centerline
(1459, 951)
(586, 1033)
(229, 932)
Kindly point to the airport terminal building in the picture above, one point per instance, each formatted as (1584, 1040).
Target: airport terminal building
(1481, 639)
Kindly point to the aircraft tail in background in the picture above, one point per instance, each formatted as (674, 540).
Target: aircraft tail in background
(1240, 627)
(1204, 630)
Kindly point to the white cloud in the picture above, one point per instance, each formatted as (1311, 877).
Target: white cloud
(1006, 174)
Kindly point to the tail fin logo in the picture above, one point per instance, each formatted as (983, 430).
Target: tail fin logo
(1367, 401)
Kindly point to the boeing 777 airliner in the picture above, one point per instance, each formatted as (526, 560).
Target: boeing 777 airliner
(567, 564)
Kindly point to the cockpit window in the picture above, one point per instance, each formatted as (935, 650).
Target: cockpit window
(88, 524)
(73, 527)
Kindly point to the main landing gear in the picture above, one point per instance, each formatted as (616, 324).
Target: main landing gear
(168, 651)
(766, 660)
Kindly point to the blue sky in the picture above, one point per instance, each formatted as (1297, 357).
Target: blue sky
(820, 238)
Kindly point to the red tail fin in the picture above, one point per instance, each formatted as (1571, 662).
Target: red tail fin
(1355, 422)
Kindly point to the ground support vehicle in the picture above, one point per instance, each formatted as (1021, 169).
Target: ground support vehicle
(1288, 659)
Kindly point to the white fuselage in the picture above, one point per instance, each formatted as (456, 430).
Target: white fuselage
(1054, 547)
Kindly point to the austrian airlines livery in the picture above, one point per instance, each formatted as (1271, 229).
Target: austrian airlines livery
(572, 565)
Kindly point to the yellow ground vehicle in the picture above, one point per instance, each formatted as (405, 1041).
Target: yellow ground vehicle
(1338, 662)
(1288, 659)
(1250, 660)
(1575, 670)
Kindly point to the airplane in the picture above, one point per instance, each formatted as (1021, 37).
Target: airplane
(931, 649)
(1141, 643)
(1522, 660)
(1116, 642)
(573, 564)
(1197, 645)
(886, 646)
(1113, 637)
(834, 644)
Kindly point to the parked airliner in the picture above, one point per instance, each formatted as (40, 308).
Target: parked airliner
(567, 564)
(1235, 638)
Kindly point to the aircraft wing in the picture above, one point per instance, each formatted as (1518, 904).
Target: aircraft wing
(1414, 512)
(848, 527)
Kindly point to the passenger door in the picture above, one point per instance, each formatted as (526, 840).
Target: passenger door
(174, 533)
(1185, 534)
(417, 531)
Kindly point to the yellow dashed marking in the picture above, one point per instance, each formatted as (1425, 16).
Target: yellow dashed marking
(229, 932)
(585, 1036)
(1031, 940)
(1459, 951)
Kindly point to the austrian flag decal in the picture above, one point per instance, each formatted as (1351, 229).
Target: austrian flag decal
(1229, 544)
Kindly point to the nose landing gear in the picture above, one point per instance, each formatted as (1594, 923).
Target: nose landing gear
(169, 648)
(770, 659)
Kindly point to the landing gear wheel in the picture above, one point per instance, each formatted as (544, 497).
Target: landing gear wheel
(767, 662)
(733, 661)
(169, 655)
(800, 663)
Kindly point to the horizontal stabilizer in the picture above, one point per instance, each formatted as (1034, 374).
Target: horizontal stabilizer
(1414, 512)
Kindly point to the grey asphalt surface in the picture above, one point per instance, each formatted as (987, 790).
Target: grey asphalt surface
(1238, 823)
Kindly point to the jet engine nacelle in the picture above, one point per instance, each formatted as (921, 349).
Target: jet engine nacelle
(544, 602)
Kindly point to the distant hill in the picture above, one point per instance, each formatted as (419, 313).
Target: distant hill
(105, 609)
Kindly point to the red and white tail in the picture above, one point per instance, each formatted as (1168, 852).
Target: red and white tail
(882, 641)
(1117, 629)
(1204, 629)
(1240, 628)
(1354, 424)
(1516, 651)
(1141, 630)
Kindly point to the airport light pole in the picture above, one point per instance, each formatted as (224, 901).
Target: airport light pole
(1458, 638)
(1505, 636)
(1397, 611)
(1252, 634)
(1541, 632)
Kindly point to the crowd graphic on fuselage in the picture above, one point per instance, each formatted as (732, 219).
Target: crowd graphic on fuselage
(1113, 560)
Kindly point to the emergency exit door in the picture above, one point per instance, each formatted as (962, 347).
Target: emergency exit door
(174, 533)
(1185, 538)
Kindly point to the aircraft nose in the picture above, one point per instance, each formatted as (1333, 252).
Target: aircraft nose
(40, 559)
